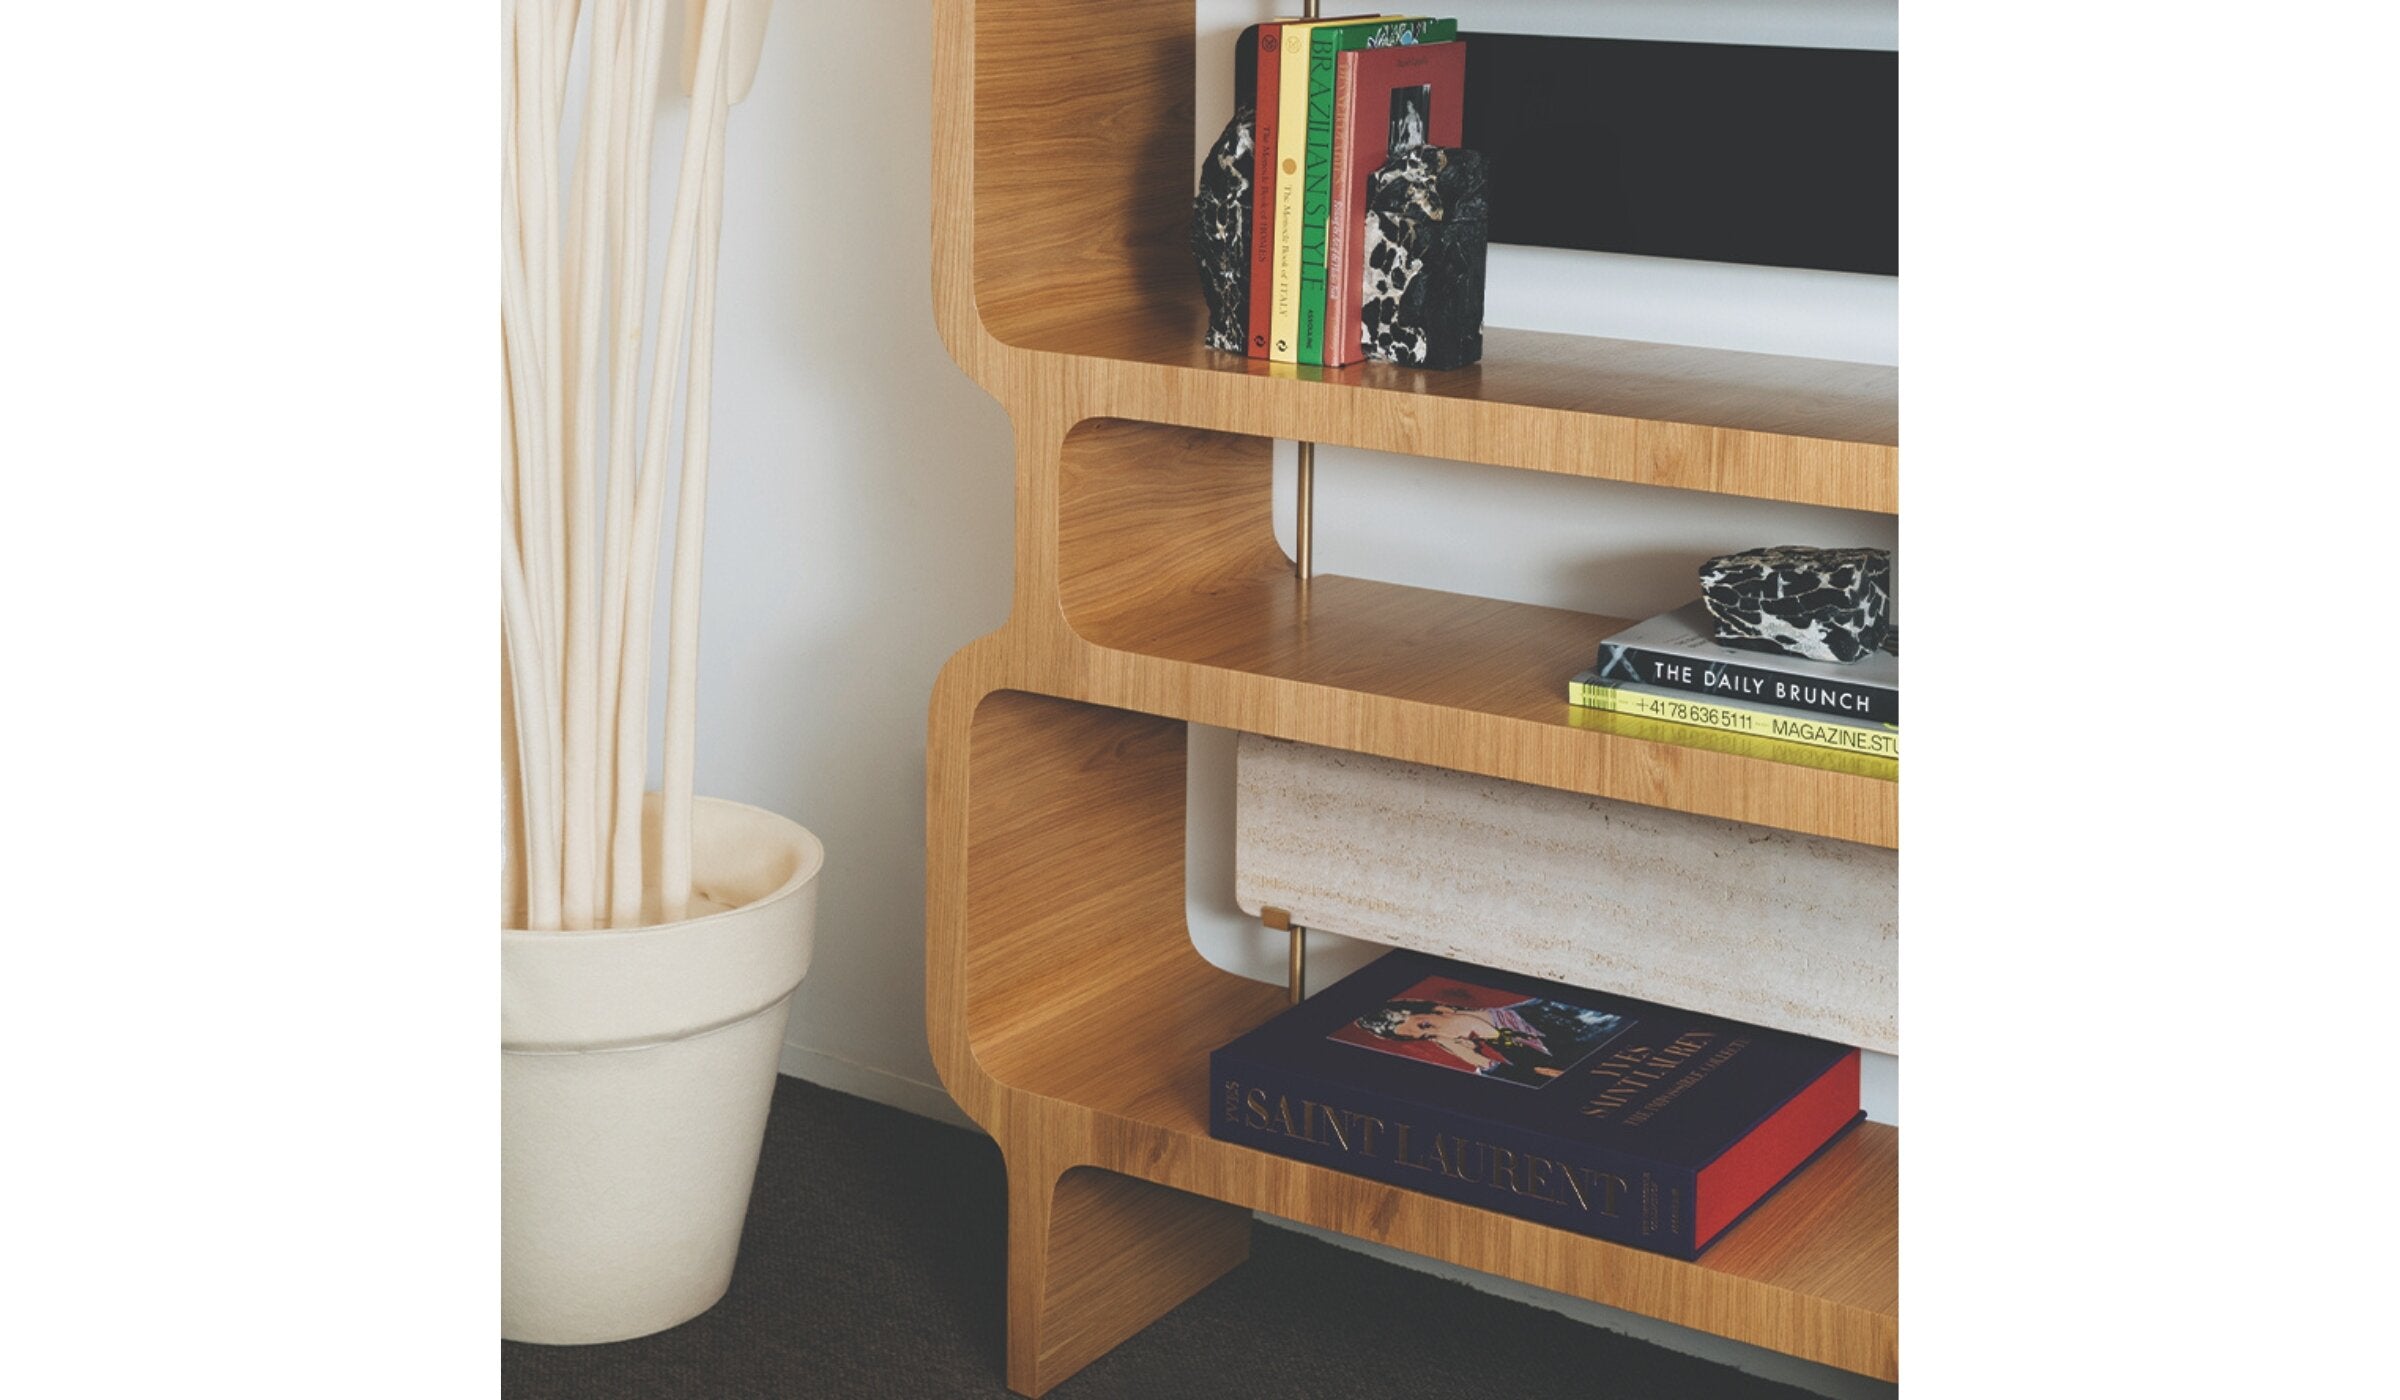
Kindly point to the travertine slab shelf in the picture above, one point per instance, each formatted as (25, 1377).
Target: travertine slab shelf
(1771, 927)
(1067, 1011)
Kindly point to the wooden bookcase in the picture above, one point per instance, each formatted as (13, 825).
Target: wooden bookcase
(1067, 1009)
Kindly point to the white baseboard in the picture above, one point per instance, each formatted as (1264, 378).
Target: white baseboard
(877, 1085)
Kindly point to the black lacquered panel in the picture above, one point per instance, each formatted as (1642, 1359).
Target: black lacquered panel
(1737, 153)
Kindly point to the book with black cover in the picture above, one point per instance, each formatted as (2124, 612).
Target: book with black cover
(1680, 650)
(1621, 1119)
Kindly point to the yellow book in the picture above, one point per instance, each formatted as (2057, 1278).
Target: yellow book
(1692, 736)
(1869, 740)
(1291, 161)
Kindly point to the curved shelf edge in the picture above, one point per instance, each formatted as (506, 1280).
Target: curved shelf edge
(1816, 433)
(1527, 734)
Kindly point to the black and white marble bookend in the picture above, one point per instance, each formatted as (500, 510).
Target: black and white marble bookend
(1221, 234)
(1427, 226)
(1824, 604)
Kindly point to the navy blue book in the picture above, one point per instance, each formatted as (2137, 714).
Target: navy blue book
(1595, 1113)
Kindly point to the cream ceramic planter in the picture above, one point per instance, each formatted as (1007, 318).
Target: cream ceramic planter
(636, 1067)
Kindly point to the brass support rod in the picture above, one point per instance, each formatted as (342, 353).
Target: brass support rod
(1303, 564)
(1296, 978)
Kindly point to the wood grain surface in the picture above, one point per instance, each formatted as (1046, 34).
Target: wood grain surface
(1066, 1008)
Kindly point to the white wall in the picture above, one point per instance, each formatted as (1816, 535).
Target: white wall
(861, 510)
(860, 514)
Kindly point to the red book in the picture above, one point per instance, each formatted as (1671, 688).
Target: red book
(1262, 186)
(1384, 100)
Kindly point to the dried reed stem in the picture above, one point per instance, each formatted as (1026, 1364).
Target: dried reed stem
(554, 51)
(536, 702)
(641, 583)
(583, 485)
(586, 274)
(691, 513)
(512, 800)
(531, 217)
(522, 493)
(512, 776)
(648, 19)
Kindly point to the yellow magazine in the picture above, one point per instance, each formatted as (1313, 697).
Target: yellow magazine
(1784, 735)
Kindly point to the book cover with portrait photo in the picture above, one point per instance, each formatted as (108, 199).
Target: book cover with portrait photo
(1458, 1025)
(1623, 1119)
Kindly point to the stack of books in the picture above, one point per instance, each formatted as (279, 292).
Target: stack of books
(1621, 1119)
(1336, 99)
(1673, 668)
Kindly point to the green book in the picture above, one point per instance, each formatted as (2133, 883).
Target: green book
(1316, 187)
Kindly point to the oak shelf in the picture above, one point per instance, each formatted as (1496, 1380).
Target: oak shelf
(1168, 571)
(1474, 684)
(1067, 1010)
(1816, 432)
(1806, 1252)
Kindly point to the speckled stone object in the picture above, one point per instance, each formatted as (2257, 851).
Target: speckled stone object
(1427, 226)
(1221, 234)
(1773, 927)
(1824, 604)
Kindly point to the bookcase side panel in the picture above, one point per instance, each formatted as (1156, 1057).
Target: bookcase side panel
(1082, 118)
(1149, 516)
(1074, 891)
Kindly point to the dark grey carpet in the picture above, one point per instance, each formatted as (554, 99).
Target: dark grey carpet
(871, 1267)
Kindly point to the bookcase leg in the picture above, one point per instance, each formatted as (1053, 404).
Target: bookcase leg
(1094, 1257)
